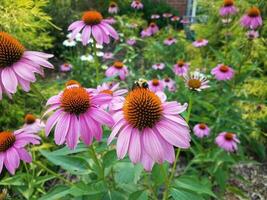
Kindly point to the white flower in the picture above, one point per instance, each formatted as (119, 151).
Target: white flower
(69, 43)
(99, 46)
(100, 54)
(88, 58)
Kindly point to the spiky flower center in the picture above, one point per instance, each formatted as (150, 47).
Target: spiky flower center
(72, 82)
(229, 136)
(254, 12)
(118, 64)
(92, 17)
(167, 80)
(11, 50)
(29, 119)
(7, 139)
(202, 126)
(75, 100)
(180, 63)
(228, 3)
(170, 38)
(224, 68)
(152, 25)
(110, 92)
(142, 108)
(155, 82)
(194, 83)
(200, 40)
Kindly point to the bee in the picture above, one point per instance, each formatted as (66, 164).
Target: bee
(141, 83)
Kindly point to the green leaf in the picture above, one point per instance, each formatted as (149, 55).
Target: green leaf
(56, 193)
(66, 151)
(76, 165)
(180, 194)
(159, 173)
(139, 195)
(191, 183)
(127, 172)
(91, 189)
(16, 180)
(109, 158)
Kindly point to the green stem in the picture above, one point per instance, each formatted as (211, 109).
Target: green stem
(189, 107)
(52, 172)
(169, 180)
(102, 172)
(96, 63)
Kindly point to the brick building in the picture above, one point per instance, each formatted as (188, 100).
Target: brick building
(185, 7)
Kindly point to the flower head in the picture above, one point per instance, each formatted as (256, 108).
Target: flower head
(227, 141)
(228, 8)
(77, 115)
(137, 4)
(66, 67)
(113, 8)
(118, 68)
(148, 128)
(108, 55)
(223, 72)
(146, 33)
(156, 85)
(252, 20)
(252, 34)
(175, 19)
(12, 148)
(131, 41)
(69, 43)
(170, 40)
(93, 25)
(200, 43)
(167, 15)
(17, 65)
(159, 66)
(170, 84)
(153, 28)
(181, 68)
(196, 81)
(155, 16)
(32, 124)
(201, 130)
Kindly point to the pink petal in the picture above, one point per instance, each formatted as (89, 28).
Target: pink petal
(40, 54)
(24, 72)
(115, 130)
(62, 128)
(86, 133)
(24, 155)
(75, 24)
(111, 30)
(123, 141)
(2, 157)
(173, 108)
(135, 146)
(97, 33)
(9, 79)
(101, 116)
(11, 160)
(52, 120)
(86, 34)
(76, 30)
(73, 132)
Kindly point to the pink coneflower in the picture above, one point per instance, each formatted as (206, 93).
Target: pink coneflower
(118, 68)
(156, 85)
(93, 25)
(158, 66)
(153, 28)
(175, 19)
(201, 130)
(108, 55)
(155, 16)
(227, 141)
(170, 40)
(78, 115)
(148, 128)
(136, 4)
(32, 124)
(146, 33)
(200, 43)
(185, 21)
(181, 68)
(12, 148)
(66, 67)
(228, 8)
(196, 81)
(223, 72)
(252, 34)
(113, 91)
(167, 15)
(113, 8)
(17, 65)
(252, 20)
(131, 41)
(110, 20)
(170, 84)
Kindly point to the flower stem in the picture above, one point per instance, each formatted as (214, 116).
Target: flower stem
(96, 62)
(169, 180)
(102, 170)
(189, 107)
(39, 164)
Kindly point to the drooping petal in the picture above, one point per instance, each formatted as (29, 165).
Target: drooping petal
(9, 80)
(86, 34)
(24, 155)
(11, 160)
(115, 130)
(101, 116)
(86, 132)
(123, 141)
(75, 24)
(52, 120)
(135, 146)
(73, 132)
(62, 128)
(97, 33)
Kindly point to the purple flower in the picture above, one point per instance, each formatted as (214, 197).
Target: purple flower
(156, 85)
(136, 4)
(155, 16)
(169, 41)
(113, 8)
(108, 55)
(131, 42)
(159, 66)
(181, 68)
(118, 68)
(66, 67)
(146, 33)
(175, 19)
(153, 28)
(200, 43)
(32, 124)
(228, 8)
(227, 141)
(201, 130)
(169, 84)
(167, 15)
(252, 20)
(93, 25)
(252, 34)
(223, 72)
